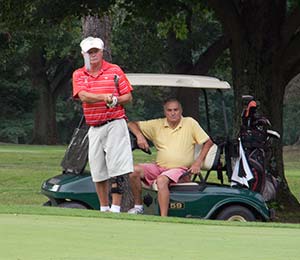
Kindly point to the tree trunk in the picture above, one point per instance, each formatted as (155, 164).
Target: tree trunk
(44, 131)
(99, 27)
(258, 72)
(189, 99)
(45, 127)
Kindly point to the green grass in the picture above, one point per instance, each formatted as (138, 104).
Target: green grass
(35, 232)
(23, 169)
(61, 237)
(56, 211)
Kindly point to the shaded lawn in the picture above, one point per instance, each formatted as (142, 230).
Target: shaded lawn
(24, 168)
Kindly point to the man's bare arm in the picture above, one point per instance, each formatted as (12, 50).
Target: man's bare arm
(141, 140)
(125, 99)
(91, 97)
(107, 98)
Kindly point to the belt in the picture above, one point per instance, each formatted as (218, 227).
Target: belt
(104, 123)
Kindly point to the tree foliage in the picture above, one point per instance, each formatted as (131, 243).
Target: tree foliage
(17, 97)
(47, 46)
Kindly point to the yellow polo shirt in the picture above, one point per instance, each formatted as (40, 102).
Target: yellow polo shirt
(175, 147)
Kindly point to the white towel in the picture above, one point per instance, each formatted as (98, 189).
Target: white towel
(235, 178)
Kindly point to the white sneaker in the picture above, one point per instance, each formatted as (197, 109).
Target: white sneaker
(113, 211)
(136, 211)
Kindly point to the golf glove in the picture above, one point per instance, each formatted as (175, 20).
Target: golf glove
(113, 103)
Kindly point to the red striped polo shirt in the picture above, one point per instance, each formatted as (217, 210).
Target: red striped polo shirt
(97, 113)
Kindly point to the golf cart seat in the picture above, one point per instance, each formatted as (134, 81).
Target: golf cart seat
(187, 185)
(212, 158)
(212, 161)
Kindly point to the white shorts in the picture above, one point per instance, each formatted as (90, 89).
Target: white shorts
(110, 152)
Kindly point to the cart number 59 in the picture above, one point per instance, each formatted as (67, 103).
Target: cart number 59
(176, 205)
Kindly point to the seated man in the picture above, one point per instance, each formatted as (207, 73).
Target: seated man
(174, 138)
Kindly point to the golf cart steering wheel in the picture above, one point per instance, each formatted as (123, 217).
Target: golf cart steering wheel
(134, 145)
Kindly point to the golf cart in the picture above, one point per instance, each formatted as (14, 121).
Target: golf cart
(196, 199)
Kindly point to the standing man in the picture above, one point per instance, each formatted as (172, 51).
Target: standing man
(174, 138)
(103, 89)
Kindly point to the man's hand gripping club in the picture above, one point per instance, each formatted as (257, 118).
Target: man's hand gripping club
(111, 101)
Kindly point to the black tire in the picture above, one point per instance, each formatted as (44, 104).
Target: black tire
(236, 213)
(72, 205)
(47, 203)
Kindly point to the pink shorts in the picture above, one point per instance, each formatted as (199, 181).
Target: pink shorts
(152, 171)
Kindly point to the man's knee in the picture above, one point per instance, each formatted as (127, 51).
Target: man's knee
(162, 182)
(117, 184)
(137, 172)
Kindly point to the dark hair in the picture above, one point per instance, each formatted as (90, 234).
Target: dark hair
(171, 99)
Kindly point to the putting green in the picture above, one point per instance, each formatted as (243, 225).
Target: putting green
(33, 237)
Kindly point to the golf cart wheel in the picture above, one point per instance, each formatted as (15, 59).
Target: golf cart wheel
(236, 213)
(47, 203)
(72, 205)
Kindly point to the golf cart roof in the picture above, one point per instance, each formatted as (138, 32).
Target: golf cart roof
(176, 80)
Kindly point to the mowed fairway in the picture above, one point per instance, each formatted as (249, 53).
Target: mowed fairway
(68, 237)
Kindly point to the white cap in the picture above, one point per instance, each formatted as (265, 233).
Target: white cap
(90, 43)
